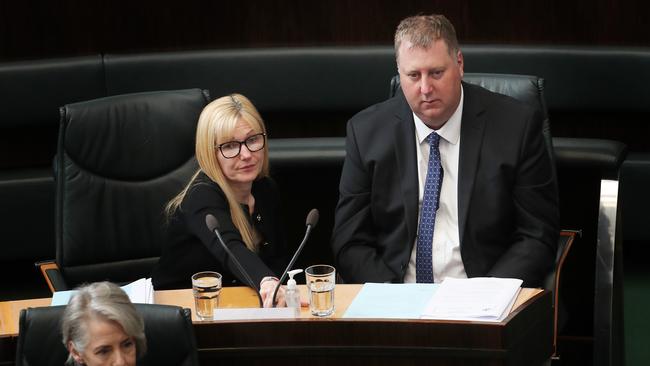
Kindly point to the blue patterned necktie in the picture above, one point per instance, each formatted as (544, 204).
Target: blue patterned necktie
(423, 265)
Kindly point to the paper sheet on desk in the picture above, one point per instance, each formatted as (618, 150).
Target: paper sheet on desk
(476, 299)
(140, 292)
(391, 300)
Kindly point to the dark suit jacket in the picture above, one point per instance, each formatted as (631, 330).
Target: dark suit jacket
(507, 194)
(196, 249)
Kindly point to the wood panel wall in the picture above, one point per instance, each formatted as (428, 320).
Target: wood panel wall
(31, 30)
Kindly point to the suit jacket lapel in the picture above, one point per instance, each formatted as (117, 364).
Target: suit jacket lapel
(404, 136)
(471, 139)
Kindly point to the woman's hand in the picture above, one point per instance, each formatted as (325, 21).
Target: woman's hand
(267, 287)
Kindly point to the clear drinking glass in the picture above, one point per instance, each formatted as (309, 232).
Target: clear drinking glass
(206, 287)
(321, 280)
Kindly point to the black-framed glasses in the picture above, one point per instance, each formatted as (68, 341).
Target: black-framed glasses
(253, 143)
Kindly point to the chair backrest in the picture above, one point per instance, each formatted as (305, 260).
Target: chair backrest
(169, 332)
(526, 88)
(39, 338)
(170, 336)
(119, 160)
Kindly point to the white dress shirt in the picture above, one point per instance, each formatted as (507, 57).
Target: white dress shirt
(446, 260)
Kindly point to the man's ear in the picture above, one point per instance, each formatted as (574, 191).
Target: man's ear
(76, 355)
(461, 62)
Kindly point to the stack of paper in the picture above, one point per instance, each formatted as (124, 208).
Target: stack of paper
(140, 292)
(479, 298)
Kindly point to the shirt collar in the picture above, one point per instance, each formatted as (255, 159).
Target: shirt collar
(450, 131)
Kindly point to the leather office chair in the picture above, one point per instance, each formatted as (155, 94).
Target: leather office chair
(526, 88)
(119, 160)
(169, 332)
(529, 89)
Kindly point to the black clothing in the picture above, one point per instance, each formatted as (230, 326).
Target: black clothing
(196, 249)
(508, 216)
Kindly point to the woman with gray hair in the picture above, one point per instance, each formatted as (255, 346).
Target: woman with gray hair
(102, 327)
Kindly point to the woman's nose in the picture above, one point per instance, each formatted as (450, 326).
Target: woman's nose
(120, 359)
(244, 153)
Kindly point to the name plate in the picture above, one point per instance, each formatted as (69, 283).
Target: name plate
(255, 313)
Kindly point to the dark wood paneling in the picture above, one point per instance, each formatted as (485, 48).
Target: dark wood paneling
(70, 28)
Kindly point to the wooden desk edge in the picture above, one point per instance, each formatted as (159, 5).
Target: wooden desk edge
(231, 297)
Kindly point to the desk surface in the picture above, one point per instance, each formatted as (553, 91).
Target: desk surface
(230, 297)
(523, 338)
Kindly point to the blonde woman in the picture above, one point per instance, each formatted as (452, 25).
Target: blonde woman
(233, 185)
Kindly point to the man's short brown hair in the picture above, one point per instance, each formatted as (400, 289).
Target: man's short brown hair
(422, 30)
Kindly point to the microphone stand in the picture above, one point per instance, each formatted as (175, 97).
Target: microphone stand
(213, 225)
(312, 220)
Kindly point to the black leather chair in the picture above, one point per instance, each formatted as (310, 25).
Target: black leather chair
(527, 88)
(119, 160)
(169, 332)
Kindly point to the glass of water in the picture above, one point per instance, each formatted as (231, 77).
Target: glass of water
(320, 283)
(206, 287)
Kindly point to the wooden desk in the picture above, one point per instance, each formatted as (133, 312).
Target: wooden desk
(525, 337)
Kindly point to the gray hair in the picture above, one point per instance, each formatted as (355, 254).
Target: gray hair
(106, 301)
(422, 30)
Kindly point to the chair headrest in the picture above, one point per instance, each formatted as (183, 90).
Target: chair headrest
(132, 136)
(526, 88)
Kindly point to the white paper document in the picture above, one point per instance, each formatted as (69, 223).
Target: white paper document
(475, 299)
(140, 292)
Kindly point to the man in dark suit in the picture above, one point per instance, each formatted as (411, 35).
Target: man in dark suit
(496, 206)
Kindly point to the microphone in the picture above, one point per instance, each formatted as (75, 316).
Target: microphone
(312, 220)
(213, 225)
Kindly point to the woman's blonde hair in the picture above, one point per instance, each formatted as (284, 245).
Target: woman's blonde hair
(216, 125)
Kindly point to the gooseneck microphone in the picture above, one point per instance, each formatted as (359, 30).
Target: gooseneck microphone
(312, 220)
(213, 225)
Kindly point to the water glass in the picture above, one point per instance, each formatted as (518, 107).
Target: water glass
(321, 279)
(206, 287)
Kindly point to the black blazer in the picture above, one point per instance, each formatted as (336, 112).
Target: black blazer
(194, 248)
(507, 194)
